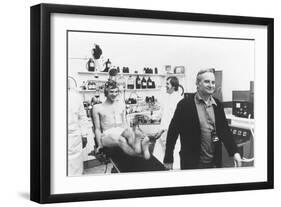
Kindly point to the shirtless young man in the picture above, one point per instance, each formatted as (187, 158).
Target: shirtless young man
(111, 128)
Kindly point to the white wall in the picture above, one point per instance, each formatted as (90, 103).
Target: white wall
(15, 110)
(234, 57)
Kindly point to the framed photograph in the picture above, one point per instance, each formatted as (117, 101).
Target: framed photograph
(133, 103)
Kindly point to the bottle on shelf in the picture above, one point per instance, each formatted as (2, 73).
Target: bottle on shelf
(83, 86)
(91, 65)
(143, 83)
(156, 70)
(148, 71)
(146, 99)
(107, 65)
(94, 88)
(121, 80)
(125, 70)
(138, 82)
(149, 83)
(130, 83)
(91, 85)
(153, 84)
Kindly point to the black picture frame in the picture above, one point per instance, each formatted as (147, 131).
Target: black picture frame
(40, 184)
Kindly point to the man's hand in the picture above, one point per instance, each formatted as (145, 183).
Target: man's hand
(97, 150)
(168, 166)
(237, 160)
(158, 134)
(84, 142)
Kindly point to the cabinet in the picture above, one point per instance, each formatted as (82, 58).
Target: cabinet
(141, 102)
(242, 130)
(101, 77)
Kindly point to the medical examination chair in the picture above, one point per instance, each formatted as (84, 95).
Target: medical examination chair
(122, 162)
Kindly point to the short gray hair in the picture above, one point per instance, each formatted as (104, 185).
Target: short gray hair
(210, 70)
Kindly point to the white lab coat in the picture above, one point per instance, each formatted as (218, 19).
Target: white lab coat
(168, 106)
(77, 127)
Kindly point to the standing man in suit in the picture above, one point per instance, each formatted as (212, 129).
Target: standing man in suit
(200, 121)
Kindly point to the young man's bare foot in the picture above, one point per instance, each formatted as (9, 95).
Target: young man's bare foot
(132, 140)
(145, 148)
(137, 140)
(143, 142)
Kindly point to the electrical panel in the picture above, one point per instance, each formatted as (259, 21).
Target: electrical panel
(240, 135)
(242, 109)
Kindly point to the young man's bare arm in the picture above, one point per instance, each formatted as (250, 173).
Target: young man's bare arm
(97, 125)
(124, 120)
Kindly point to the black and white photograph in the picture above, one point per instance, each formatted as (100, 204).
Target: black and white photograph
(140, 103)
(137, 103)
(158, 102)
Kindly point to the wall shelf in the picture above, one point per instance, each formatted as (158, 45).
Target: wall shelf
(143, 74)
(88, 91)
(127, 90)
(149, 89)
(143, 113)
(176, 74)
(131, 74)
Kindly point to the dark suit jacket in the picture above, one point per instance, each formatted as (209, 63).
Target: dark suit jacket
(185, 123)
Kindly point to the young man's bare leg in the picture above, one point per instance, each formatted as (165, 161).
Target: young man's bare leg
(144, 141)
(132, 140)
(145, 147)
(123, 144)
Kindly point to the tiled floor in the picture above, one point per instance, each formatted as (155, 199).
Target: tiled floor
(100, 169)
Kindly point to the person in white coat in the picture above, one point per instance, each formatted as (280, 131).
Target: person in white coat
(77, 130)
(168, 105)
